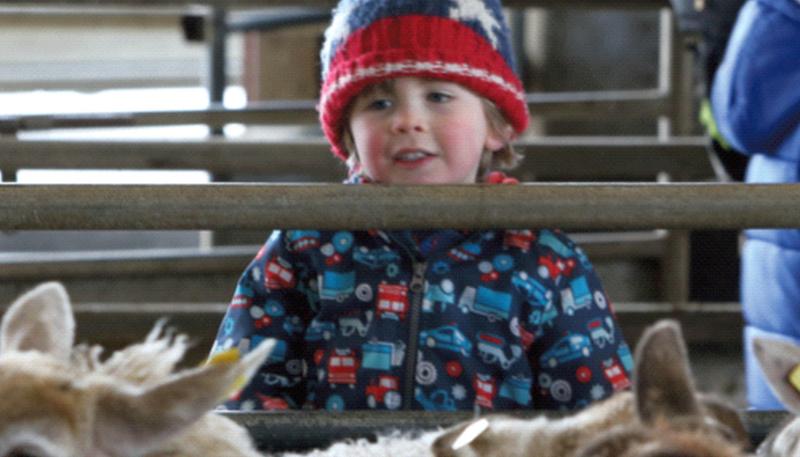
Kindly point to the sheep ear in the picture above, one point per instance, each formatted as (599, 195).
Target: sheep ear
(780, 361)
(137, 420)
(664, 387)
(40, 320)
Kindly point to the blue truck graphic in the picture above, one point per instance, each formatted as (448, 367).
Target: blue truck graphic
(547, 238)
(337, 286)
(534, 291)
(446, 337)
(382, 355)
(486, 302)
(570, 347)
(576, 296)
(517, 389)
(375, 258)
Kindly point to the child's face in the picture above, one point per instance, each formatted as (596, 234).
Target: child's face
(412, 130)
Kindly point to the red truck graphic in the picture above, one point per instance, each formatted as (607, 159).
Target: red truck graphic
(392, 301)
(342, 367)
(485, 390)
(613, 371)
(279, 274)
(521, 239)
(384, 389)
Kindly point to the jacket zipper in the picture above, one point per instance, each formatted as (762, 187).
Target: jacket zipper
(416, 286)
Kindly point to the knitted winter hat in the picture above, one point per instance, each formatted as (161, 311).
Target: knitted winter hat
(464, 41)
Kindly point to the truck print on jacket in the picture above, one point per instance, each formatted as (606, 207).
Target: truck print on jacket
(435, 320)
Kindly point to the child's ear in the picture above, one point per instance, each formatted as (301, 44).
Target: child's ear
(496, 140)
(40, 320)
(133, 420)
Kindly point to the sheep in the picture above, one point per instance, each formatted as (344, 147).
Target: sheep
(779, 359)
(664, 416)
(61, 400)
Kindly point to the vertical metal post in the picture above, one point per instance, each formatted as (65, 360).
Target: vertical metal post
(682, 81)
(217, 60)
(675, 268)
(516, 17)
(665, 63)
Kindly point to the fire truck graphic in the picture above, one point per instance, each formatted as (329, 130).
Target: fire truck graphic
(521, 239)
(553, 267)
(279, 274)
(392, 301)
(342, 367)
(614, 373)
(384, 389)
(242, 297)
(485, 390)
(301, 240)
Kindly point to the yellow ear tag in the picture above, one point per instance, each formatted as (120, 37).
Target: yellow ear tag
(794, 377)
(225, 357)
(228, 356)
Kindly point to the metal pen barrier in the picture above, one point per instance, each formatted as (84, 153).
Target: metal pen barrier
(303, 430)
(316, 3)
(309, 160)
(621, 206)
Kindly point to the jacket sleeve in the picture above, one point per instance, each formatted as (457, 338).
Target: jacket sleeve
(754, 96)
(271, 300)
(579, 354)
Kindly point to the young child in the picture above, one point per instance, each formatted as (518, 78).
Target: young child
(414, 92)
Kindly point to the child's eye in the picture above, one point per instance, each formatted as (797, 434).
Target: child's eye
(378, 104)
(439, 97)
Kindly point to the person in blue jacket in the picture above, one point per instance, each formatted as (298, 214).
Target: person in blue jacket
(420, 92)
(755, 100)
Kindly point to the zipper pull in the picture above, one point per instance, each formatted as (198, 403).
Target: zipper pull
(418, 279)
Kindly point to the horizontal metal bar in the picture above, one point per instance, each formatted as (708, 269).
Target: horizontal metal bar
(330, 3)
(584, 104)
(117, 324)
(273, 19)
(88, 264)
(273, 112)
(59, 9)
(566, 158)
(221, 259)
(340, 206)
(304, 430)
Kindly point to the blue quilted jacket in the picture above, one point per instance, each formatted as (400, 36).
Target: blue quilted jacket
(434, 320)
(756, 103)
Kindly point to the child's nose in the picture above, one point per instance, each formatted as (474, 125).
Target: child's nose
(408, 118)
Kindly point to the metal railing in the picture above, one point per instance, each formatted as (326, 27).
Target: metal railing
(546, 159)
(304, 430)
(339, 206)
(309, 3)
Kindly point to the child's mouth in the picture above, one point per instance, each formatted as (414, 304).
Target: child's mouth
(412, 157)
